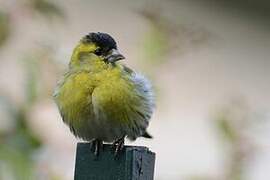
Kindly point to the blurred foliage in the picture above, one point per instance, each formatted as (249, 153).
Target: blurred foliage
(169, 36)
(31, 76)
(14, 163)
(226, 129)
(155, 45)
(41, 69)
(156, 40)
(234, 122)
(18, 143)
(4, 27)
(47, 8)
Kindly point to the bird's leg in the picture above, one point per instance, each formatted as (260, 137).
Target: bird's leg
(118, 145)
(97, 145)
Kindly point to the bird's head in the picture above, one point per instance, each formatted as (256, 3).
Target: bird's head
(99, 46)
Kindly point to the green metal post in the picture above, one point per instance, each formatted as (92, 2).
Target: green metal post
(133, 163)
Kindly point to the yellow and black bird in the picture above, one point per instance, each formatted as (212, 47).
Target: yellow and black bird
(100, 99)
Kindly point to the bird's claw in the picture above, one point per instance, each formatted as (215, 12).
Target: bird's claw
(97, 146)
(118, 145)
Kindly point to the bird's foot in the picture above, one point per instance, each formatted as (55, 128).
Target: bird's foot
(118, 145)
(97, 146)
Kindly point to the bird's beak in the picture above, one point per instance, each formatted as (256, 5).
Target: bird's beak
(114, 55)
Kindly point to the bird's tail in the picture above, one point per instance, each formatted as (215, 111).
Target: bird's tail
(147, 135)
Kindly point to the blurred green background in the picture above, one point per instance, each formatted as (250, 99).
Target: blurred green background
(208, 61)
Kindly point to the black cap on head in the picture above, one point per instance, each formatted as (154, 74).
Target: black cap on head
(106, 46)
(103, 40)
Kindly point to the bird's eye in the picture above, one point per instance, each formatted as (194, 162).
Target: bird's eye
(98, 52)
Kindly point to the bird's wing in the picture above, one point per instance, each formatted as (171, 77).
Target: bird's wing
(127, 70)
(73, 96)
(125, 102)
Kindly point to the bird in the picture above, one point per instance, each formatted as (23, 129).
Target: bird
(101, 99)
